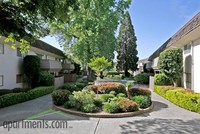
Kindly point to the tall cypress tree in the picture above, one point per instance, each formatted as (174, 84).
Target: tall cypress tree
(127, 52)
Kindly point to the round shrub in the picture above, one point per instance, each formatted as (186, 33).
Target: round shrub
(128, 105)
(161, 79)
(139, 91)
(106, 97)
(111, 107)
(45, 79)
(98, 102)
(112, 86)
(121, 95)
(88, 108)
(142, 78)
(142, 101)
(60, 96)
(71, 103)
(92, 88)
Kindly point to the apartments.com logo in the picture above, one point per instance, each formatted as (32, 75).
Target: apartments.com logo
(37, 124)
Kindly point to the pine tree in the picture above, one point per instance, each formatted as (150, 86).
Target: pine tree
(127, 52)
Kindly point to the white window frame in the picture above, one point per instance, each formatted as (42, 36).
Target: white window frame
(2, 80)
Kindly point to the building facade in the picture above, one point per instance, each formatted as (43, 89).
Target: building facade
(11, 60)
(188, 39)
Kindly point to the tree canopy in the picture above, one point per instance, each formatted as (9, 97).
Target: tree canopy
(127, 52)
(90, 31)
(29, 19)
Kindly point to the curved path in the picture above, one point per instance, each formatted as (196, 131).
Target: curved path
(166, 118)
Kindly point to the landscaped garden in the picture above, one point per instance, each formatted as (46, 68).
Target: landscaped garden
(105, 98)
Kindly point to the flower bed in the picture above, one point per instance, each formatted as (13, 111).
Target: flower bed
(113, 99)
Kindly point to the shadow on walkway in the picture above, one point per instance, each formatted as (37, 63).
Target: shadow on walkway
(161, 126)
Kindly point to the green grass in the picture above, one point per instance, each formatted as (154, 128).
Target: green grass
(40, 114)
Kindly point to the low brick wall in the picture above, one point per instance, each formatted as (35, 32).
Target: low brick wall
(58, 81)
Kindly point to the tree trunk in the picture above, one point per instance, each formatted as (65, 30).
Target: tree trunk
(89, 73)
(101, 75)
(126, 73)
(175, 83)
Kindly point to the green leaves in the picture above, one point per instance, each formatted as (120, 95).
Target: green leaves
(99, 64)
(170, 63)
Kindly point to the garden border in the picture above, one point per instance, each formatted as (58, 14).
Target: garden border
(104, 115)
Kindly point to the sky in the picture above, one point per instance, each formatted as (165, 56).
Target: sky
(154, 21)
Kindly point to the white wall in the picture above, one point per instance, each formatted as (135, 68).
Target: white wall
(10, 66)
(197, 66)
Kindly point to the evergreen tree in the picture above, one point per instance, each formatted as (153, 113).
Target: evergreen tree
(127, 52)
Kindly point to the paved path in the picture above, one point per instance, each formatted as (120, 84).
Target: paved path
(166, 118)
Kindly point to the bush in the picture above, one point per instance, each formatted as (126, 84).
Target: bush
(19, 90)
(106, 97)
(14, 98)
(142, 78)
(139, 91)
(93, 88)
(181, 97)
(161, 79)
(71, 103)
(121, 95)
(111, 107)
(128, 105)
(142, 101)
(89, 108)
(70, 87)
(98, 102)
(40, 91)
(80, 85)
(59, 97)
(112, 86)
(84, 96)
(5, 91)
(45, 79)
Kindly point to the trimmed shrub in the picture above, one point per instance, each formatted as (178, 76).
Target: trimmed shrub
(19, 90)
(139, 91)
(40, 91)
(111, 107)
(5, 91)
(84, 96)
(92, 88)
(15, 98)
(45, 79)
(59, 97)
(112, 86)
(71, 103)
(89, 108)
(70, 87)
(181, 97)
(142, 78)
(161, 79)
(106, 97)
(142, 101)
(128, 105)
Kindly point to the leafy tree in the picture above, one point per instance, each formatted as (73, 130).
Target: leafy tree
(99, 64)
(29, 19)
(170, 64)
(90, 31)
(127, 53)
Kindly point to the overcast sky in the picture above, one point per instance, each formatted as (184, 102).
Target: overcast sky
(155, 21)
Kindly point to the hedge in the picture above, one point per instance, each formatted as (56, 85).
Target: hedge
(182, 97)
(15, 98)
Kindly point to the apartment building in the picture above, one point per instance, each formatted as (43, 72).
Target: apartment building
(188, 39)
(53, 60)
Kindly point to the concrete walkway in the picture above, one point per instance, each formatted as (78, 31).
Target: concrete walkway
(166, 118)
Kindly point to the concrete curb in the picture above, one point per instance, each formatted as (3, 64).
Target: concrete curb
(104, 114)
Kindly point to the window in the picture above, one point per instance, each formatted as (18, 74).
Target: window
(1, 80)
(19, 53)
(187, 49)
(19, 78)
(1, 48)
